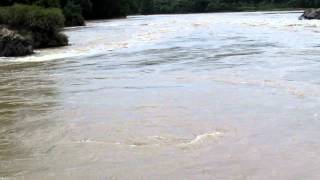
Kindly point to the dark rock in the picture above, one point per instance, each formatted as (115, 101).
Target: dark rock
(311, 14)
(13, 44)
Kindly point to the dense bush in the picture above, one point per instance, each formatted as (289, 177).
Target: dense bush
(147, 7)
(3, 15)
(73, 14)
(216, 6)
(48, 3)
(34, 17)
(43, 25)
(48, 39)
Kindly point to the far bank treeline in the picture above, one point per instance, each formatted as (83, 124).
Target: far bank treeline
(75, 11)
(202, 6)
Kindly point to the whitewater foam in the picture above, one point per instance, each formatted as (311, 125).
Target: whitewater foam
(202, 139)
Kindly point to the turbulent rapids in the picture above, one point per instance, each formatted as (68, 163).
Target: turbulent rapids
(198, 96)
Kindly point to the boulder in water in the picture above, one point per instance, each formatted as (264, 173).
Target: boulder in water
(311, 14)
(14, 44)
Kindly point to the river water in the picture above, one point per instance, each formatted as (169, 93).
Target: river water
(199, 96)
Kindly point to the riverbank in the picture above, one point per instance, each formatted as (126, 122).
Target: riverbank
(24, 25)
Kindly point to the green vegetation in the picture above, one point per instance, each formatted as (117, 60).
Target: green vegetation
(202, 6)
(41, 25)
(73, 14)
(75, 11)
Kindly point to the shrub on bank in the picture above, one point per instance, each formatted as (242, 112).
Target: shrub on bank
(47, 3)
(73, 14)
(32, 17)
(3, 15)
(42, 25)
(216, 6)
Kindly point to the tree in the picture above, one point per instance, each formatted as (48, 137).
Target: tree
(147, 7)
(73, 14)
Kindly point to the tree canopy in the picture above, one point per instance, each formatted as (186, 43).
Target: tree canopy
(76, 11)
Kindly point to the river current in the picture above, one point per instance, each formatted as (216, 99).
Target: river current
(197, 96)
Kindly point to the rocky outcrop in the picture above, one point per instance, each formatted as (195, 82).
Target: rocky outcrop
(311, 14)
(14, 44)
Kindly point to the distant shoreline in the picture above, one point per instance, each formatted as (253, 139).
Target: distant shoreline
(284, 11)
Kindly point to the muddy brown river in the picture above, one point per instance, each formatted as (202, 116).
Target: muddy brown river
(227, 96)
